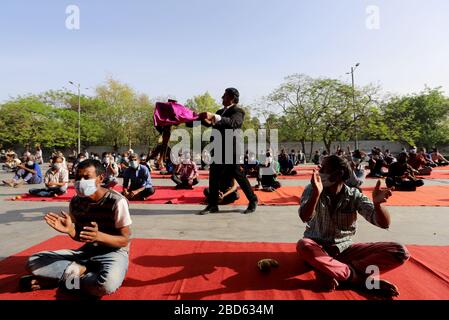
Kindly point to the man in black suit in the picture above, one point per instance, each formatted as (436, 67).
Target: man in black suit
(225, 121)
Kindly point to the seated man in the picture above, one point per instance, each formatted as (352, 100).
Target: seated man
(56, 180)
(30, 172)
(81, 157)
(137, 180)
(111, 171)
(250, 165)
(419, 163)
(186, 175)
(11, 163)
(286, 165)
(401, 175)
(316, 158)
(438, 158)
(357, 175)
(228, 191)
(99, 218)
(268, 171)
(376, 164)
(330, 208)
(428, 157)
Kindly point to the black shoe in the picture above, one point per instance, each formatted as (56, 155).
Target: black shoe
(251, 207)
(209, 209)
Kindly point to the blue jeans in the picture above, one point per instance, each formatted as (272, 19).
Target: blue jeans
(48, 192)
(28, 177)
(106, 268)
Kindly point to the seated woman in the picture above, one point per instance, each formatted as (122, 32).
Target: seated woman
(186, 175)
(111, 171)
(438, 158)
(286, 165)
(56, 180)
(419, 163)
(401, 175)
(29, 172)
(228, 191)
(137, 180)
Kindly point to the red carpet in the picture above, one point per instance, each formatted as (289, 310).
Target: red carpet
(434, 196)
(191, 270)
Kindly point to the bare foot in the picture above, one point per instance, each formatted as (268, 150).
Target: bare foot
(386, 289)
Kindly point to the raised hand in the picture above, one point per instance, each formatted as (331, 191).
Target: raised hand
(381, 195)
(61, 223)
(316, 183)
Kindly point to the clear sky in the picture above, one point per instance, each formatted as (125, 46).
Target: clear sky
(186, 47)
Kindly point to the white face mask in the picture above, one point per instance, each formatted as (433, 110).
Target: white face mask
(30, 163)
(86, 188)
(106, 160)
(134, 164)
(325, 180)
(56, 166)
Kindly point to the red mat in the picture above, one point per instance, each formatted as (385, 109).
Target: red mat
(169, 195)
(433, 196)
(193, 270)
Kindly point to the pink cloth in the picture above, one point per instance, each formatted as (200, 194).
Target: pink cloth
(170, 113)
(385, 255)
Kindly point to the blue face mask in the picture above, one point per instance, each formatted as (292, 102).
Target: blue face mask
(86, 188)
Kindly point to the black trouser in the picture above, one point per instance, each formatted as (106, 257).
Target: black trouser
(183, 183)
(220, 171)
(404, 185)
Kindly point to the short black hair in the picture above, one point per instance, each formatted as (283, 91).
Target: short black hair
(339, 164)
(99, 168)
(235, 93)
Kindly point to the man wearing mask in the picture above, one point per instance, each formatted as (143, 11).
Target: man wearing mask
(99, 218)
(357, 176)
(229, 118)
(186, 175)
(30, 172)
(330, 208)
(56, 180)
(111, 171)
(137, 180)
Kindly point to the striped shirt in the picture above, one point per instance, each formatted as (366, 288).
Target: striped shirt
(335, 225)
(59, 176)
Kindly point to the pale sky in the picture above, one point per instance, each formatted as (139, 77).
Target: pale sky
(187, 47)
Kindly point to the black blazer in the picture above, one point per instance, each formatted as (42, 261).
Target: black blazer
(231, 119)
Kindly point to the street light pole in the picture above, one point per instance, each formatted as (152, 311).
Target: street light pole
(353, 104)
(79, 114)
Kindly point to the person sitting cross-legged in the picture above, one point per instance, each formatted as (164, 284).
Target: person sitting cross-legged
(286, 165)
(330, 208)
(111, 171)
(186, 175)
(56, 180)
(419, 163)
(99, 219)
(401, 175)
(268, 171)
(29, 172)
(137, 180)
(228, 191)
(438, 158)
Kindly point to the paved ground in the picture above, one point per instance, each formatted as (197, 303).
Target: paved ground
(21, 223)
